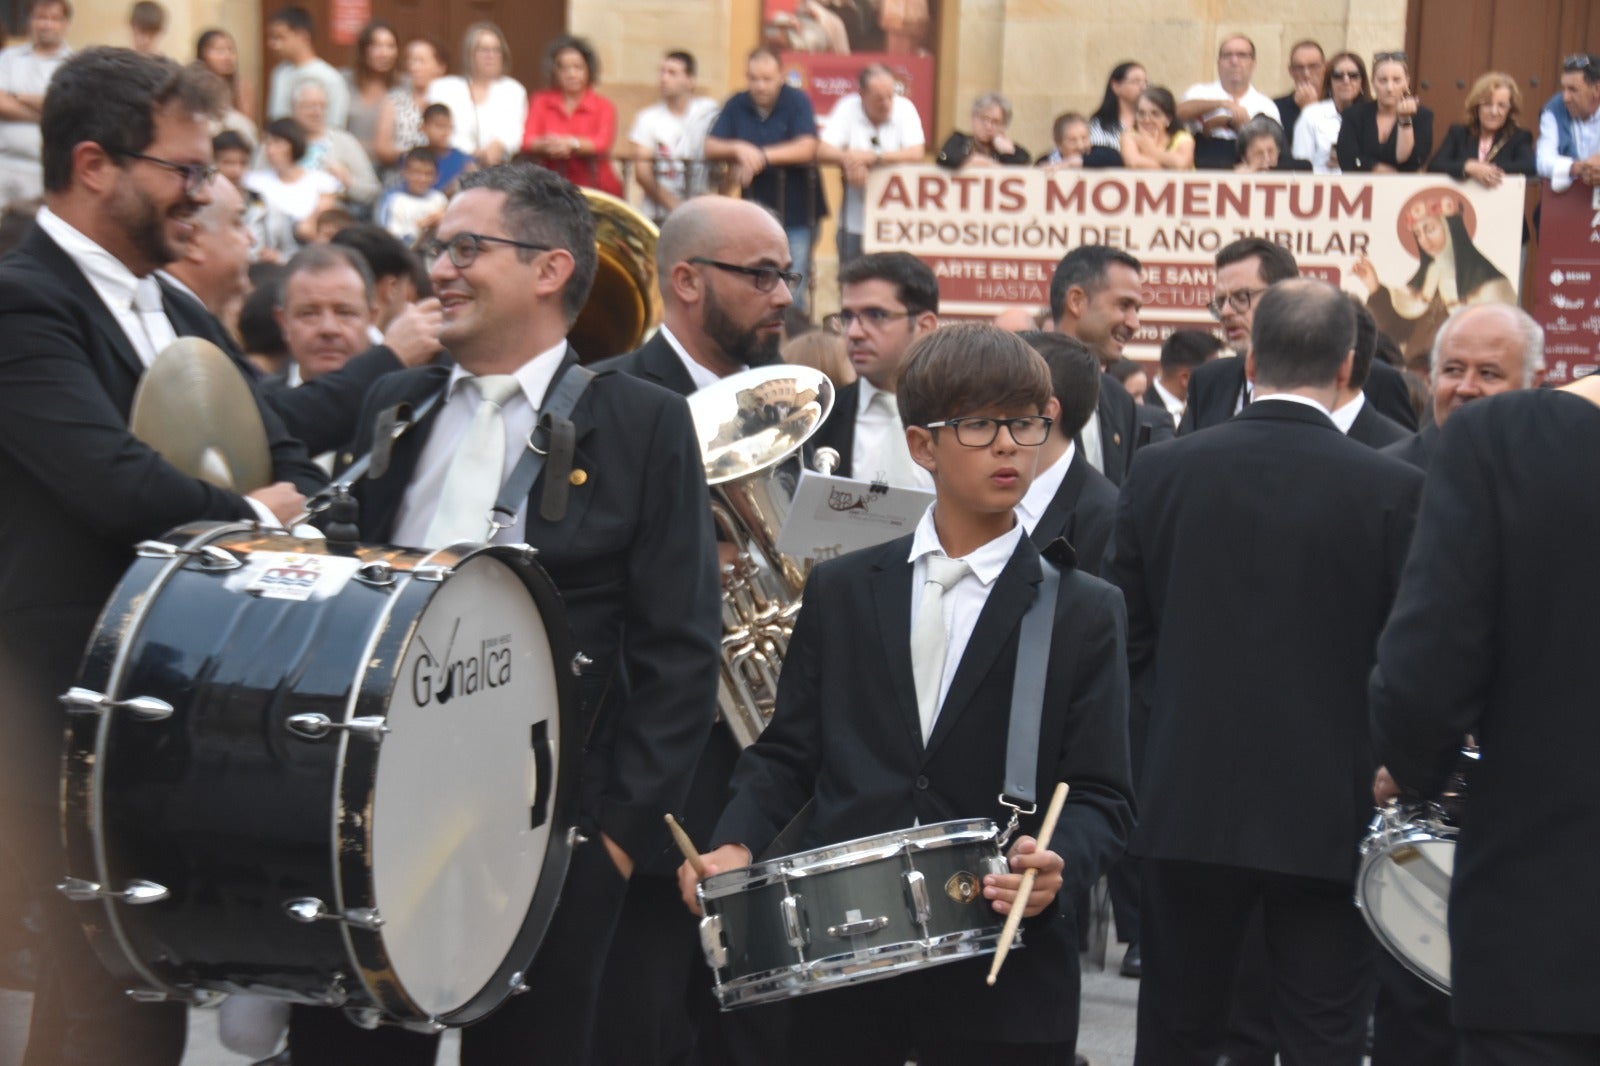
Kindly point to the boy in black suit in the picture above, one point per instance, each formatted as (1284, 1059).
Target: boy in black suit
(883, 730)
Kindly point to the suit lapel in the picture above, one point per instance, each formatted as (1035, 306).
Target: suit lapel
(1057, 520)
(891, 593)
(59, 263)
(1009, 599)
(662, 366)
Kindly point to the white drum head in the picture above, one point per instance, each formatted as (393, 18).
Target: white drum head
(1405, 892)
(456, 855)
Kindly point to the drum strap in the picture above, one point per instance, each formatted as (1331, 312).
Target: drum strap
(555, 423)
(1027, 691)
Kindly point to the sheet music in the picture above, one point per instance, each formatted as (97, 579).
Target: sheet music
(832, 515)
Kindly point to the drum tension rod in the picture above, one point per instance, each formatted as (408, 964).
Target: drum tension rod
(137, 891)
(87, 701)
(311, 909)
(315, 726)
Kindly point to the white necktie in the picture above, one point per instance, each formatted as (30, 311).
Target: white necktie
(899, 469)
(929, 638)
(473, 480)
(152, 318)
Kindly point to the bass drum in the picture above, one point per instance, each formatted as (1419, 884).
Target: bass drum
(338, 776)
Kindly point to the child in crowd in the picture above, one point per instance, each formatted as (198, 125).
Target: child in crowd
(438, 127)
(414, 207)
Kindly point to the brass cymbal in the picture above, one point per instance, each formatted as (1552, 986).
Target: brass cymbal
(195, 407)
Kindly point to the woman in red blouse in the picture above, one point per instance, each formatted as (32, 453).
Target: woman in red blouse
(570, 126)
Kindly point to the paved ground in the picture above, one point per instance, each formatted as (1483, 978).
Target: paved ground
(1106, 1033)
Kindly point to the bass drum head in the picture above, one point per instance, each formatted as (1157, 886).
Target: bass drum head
(1404, 893)
(462, 819)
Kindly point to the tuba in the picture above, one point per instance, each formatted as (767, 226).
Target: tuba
(750, 424)
(624, 306)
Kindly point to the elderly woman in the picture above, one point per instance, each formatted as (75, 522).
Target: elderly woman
(487, 105)
(1490, 144)
(1392, 133)
(333, 150)
(987, 145)
(1157, 140)
(1263, 146)
(1317, 132)
(571, 127)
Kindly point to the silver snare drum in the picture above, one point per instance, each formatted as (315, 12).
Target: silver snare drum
(857, 911)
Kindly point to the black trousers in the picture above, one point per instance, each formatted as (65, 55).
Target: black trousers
(1480, 1047)
(1411, 1024)
(651, 976)
(552, 1024)
(1252, 1033)
(1192, 926)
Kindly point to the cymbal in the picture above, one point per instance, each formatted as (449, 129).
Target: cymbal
(195, 407)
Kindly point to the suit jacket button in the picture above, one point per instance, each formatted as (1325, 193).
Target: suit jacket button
(922, 782)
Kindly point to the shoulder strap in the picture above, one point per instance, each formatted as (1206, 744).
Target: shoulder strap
(1027, 690)
(555, 423)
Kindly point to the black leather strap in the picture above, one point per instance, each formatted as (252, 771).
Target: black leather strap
(1027, 688)
(555, 426)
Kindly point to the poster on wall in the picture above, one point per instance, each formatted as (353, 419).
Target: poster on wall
(1412, 247)
(1568, 305)
(826, 43)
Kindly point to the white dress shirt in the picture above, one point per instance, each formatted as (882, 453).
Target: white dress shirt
(1094, 452)
(1046, 483)
(1316, 132)
(849, 129)
(1173, 405)
(700, 375)
(520, 414)
(1345, 417)
(876, 432)
(964, 600)
(1294, 397)
(1254, 101)
(1547, 158)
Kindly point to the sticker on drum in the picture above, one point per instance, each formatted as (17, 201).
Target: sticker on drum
(461, 812)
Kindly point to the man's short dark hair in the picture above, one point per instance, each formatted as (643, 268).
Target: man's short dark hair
(433, 111)
(870, 71)
(1276, 262)
(1074, 378)
(1085, 267)
(1302, 332)
(385, 254)
(966, 367)
(148, 16)
(314, 258)
(290, 130)
(259, 332)
(230, 141)
(1366, 346)
(1186, 349)
(763, 52)
(544, 208)
(1306, 43)
(64, 5)
(294, 18)
(690, 67)
(420, 155)
(110, 96)
(914, 283)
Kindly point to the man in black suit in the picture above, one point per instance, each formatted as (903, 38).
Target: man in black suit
(714, 322)
(1253, 608)
(1219, 390)
(888, 300)
(1492, 635)
(1095, 296)
(1481, 350)
(1308, 66)
(629, 548)
(1182, 353)
(1355, 416)
(126, 152)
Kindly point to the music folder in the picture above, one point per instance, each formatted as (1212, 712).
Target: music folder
(831, 515)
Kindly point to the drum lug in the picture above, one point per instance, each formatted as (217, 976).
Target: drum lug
(574, 837)
(311, 909)
(135, 893)
(431, 572)
(87, 701)
(518, 983)
(431, 1027)
(857, 926)
(917, 894)
(794, 930)
(711, 943)
(579, 661)
(315, 726)
(212, 557)
(379, 573)
(155, 549)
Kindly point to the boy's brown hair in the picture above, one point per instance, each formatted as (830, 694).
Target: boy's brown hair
(966, 367)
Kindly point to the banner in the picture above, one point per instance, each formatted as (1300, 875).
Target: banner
(1413, 247)
(1568, 270)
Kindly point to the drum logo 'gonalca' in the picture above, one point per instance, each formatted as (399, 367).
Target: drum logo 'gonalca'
(489, 667)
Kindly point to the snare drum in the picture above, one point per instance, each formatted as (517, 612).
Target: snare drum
(339, 777)
(858, 911)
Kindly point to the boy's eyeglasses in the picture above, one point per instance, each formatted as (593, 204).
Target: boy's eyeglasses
(1029, 431)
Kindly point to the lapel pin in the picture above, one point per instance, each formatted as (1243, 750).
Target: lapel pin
(1116, 438)
(577, 477)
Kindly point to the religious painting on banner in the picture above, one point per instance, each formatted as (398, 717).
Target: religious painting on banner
(1412, 247)
(1568, 270)
(826, 43)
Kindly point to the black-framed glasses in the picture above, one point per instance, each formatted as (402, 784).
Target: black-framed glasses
(1240, 300)
(1346, 75)
(766, 278)
(978, 431)
(870, 318)
(1581, 62)
(463, 248)
(1383, 57)
(196, 176)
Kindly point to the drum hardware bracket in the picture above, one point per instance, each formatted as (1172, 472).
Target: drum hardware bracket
(917, 893)
(87, 701)
(794, 930)
(210, 556)
(136, 892)
(379, 572)
(155, 549)
(363, 1017)
(518, 983)
(315, 726)
(150, 995)
(1015, 821)
(857, 925)
(711, 943)
(574, 837)
(431, 572)
(431, 1027)
(579, 661)
(311, 909)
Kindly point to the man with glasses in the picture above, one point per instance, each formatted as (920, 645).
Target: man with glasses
(875, 127)
(25, 71)
(1569, 126)
(126, 155)
(889, 299)
(1220, 108)
(1307, 65)
(621, 517)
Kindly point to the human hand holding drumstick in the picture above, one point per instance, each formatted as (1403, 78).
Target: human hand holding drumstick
(1038, 883)
(697, 867)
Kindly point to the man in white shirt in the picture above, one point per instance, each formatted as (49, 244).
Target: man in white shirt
(1220, 107)
(669, 138)
(889, 300)
(873, 128)
(1569, 126)
(25, 71)
(289, 38)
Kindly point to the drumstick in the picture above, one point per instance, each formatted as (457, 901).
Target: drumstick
(686, 846)
(1014, 919)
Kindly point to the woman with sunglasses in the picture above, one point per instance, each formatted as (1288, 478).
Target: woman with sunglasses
(1490, 144)
(1392, 133)
(1317, 132)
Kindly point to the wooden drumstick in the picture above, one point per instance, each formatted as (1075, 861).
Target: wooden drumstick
(686, 846)
(1014, 919)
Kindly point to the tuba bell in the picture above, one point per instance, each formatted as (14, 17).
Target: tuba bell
(750, 424)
